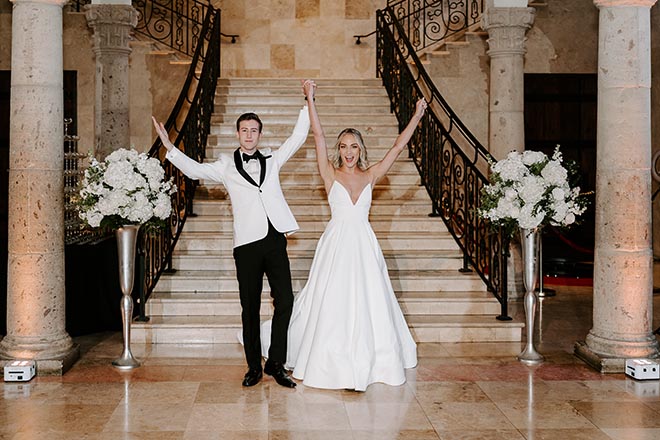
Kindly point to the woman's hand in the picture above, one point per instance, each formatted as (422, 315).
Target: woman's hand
(309, 89)
(162, 134)
(420, 108)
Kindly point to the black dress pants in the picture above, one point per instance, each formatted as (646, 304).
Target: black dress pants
(253, 260)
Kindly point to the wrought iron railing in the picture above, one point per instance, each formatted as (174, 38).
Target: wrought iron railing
(189, 124)
(75, 164)
(452, 163)
(427, 22)
(174, 23)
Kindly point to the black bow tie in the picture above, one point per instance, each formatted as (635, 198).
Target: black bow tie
(247, 157)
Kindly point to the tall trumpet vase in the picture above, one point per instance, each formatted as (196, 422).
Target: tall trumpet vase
(126, 241)
(529, 240)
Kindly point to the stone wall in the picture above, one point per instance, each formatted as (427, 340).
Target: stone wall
(299, 38)
(564, 38)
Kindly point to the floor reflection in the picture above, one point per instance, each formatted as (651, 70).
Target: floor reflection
(458, 391)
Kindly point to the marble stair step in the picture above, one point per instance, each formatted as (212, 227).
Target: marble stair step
(228, 303)
(227, 142)
(402, 280)
(313, 193)
(349, 91)
(402, 165)
(312, 179)
(400, 176)
(223, 260)
(281, 126)
(307, 152)
(265, 108)
(308, 168)
(274, 83)
(324, 100)
(302, 207)
(302, 260)
(307, 240)
(380, 224)
(224, 329)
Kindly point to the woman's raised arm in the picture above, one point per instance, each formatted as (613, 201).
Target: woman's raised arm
(379, 169)
(326, 169)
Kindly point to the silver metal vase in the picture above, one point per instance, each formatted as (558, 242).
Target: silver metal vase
(529, 241)
(126, 242)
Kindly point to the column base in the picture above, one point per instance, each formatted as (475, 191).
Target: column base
(53, 367)
(600, 362)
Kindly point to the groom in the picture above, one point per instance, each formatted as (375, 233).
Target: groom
(262, 219)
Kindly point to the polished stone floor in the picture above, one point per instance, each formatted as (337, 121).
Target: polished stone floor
(458, 391)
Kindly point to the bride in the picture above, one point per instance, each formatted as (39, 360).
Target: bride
(347, 330)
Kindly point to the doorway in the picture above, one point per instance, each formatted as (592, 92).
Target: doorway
(560, 109)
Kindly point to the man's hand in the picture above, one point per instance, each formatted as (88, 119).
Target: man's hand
(162, 134)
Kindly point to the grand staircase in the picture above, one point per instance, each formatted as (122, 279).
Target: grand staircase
(199, 302)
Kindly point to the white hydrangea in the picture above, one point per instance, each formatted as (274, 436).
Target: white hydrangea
(554, 173)
(127, 185)
(531, 190)
(511, 168)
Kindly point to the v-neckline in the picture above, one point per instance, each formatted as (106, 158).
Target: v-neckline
(348, 193)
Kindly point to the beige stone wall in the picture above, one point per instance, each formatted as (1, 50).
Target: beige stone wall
(78, 56)
(299, 38)
(564, 38)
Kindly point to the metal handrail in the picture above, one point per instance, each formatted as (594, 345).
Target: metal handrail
(453, 165)
(360, 37)
(429, 22)
(189, 123)
(176, 24)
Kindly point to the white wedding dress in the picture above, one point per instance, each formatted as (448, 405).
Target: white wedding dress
(347, 330)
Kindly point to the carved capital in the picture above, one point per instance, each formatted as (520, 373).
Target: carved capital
(113, 26)
(506, 29)
(624, 3)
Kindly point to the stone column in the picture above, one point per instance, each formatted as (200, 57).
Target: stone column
(35, 268)
(506, 42)
(112, 25)
(623, 260)
(506, 28)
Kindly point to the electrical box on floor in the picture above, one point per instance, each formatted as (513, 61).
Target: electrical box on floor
(19, 371)
(642, 369)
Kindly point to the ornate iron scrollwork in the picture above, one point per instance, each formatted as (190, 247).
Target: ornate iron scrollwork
(453, 165)
(428, 22)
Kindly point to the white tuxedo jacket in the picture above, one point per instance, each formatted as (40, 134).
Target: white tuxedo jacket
(252, 205)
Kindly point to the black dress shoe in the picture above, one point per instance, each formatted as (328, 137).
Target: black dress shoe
(276, 369)
(252, 377)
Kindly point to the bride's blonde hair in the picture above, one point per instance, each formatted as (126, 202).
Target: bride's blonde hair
(363, 162)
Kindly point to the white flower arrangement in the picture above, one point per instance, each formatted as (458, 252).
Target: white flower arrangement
(529, 190)
(127, 188)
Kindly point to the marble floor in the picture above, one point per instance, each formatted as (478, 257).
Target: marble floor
(458, 391)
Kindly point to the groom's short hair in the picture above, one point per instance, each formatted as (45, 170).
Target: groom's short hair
(248, 117)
